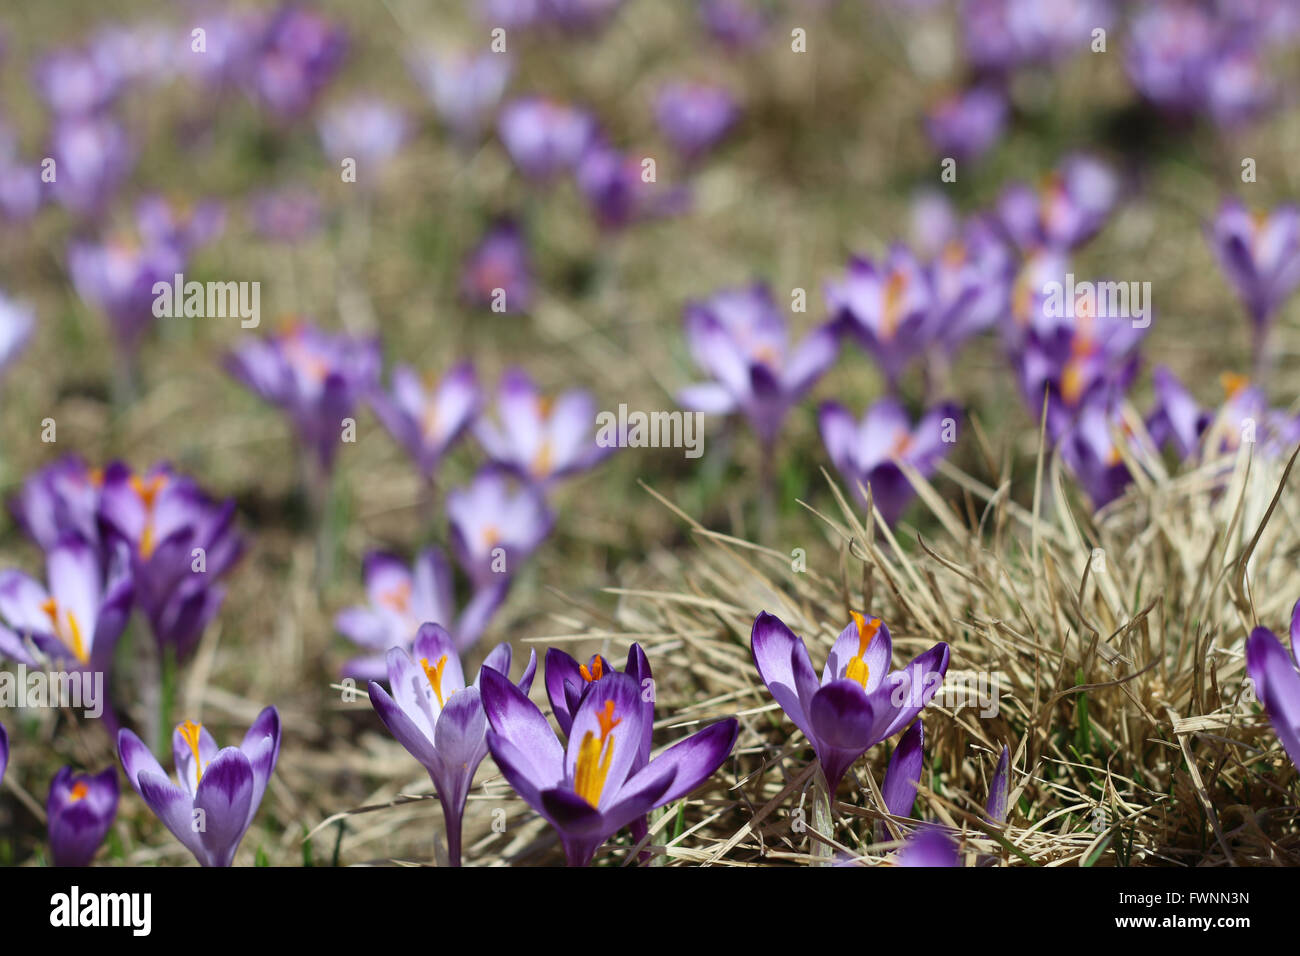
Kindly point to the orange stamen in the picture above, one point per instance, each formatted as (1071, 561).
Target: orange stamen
(597, 669)
(434, 673)
(189, 732)
(79, 791)
(594, 757)
(857, 668)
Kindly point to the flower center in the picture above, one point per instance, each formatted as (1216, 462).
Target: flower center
(79, 791)
(147, 492)
(189, 732)
(894, 291)
(857, 668)
(594, 756)
(434, 673)
(597, 669)
(68, 631)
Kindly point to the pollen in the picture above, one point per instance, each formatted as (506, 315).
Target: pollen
(594, 756)
(596, 672)
(857, 669)
(434, 673)
(79, 791)
(68, 631)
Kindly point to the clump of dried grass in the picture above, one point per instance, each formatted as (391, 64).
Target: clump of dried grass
(1118, 639)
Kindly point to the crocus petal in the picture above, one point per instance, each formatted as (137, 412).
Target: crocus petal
(772, 644)
(175, 808)
(902, 695)
(929, 847)
(999, 788)
(526, 739)
(1278, 687)
(404, 730)
(561, 669)
(696, 758)
(904, 772)
(225, 796)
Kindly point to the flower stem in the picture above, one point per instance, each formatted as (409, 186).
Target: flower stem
(822, 821)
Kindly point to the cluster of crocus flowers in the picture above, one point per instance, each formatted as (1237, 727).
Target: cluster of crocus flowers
(540, 438)
(217, 791)
(597, 783)
(400, 599)
(1003, 35)
(427, 418)
(1190, 59)
(858, 701)
(869, 454)
(739, 338)
(79, 812)
(438, 719)
(315, 377)
(181, 542)
(887, 307)
(293, 56)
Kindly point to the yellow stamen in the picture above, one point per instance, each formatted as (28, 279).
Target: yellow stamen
(434, 673)
(189, 732)
(597, 669)
(71, 634)
(857, 668)
(541, 465)
(894, 289)
(79, 791)
(1233, 383)
(594, 756)
(147, 492)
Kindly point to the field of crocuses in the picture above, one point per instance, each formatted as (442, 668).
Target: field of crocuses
(628, 433)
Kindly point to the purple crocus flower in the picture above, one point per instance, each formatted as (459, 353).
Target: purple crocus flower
(21, 189)
(1245, 416)
(740, 339)
(868, 454)
(464, 88)
(589, 789)
(1065, 211)
(1277, 684)
(1177, 419)
(543, 137)
(494, 528)
(498, 274)
(287, 214)
(1260, 255)
(59, 499)
(1089, 450)
(428, 419)
(400, 599)
(438, 719)
(181, 543)
(73, 82)
(929, 846)
(965, 125)
(971, 280)
(92, 156)
(181, 225)
(735, 24)
(219, 790)
(617, 193)
(887, 307)
(694, 116)
(16, 323)
(117, 277)
(539, 437)
(858, 702)
(314, 377)
(298, 53)
(1000, 789)
(933, 223)
(79, 812)
(365, 129)
(73, 622)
